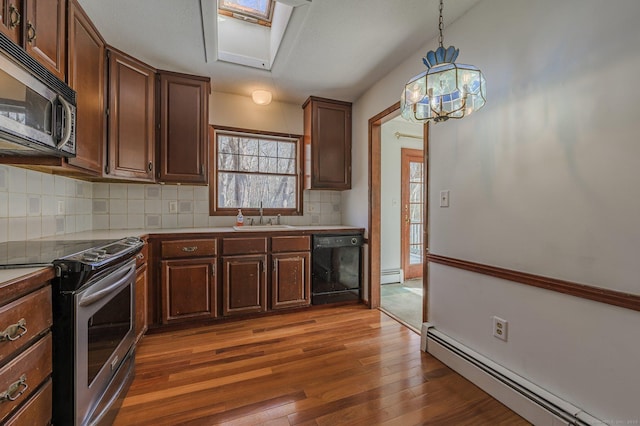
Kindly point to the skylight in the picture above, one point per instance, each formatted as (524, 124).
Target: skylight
(256, 11)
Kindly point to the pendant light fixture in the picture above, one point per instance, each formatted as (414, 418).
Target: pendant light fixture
(446, 90)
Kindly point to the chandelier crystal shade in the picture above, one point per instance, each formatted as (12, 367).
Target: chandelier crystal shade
(446, 90)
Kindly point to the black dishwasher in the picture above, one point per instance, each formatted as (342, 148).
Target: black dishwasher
(337, 268)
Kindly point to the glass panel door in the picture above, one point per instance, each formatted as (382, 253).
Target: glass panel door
(412, 214)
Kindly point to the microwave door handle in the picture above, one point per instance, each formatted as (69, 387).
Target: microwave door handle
(67, 130)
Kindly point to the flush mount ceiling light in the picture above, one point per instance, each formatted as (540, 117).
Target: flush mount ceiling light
(446, 90)
(261, 97)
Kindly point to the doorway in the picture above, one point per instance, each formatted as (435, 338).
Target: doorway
(376, 230)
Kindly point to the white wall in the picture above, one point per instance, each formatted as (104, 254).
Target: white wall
(543, 180)
(391, 189)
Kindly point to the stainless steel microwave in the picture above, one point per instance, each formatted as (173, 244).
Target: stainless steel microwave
(37, 110)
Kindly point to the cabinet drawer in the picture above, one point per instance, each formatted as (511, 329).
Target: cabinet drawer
(37, 411)
(141, 258)
(23, 319)
(244, 245)
(291, 243)
(189, 248)
(25, 373)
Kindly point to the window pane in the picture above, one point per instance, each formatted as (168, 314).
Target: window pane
(286, 166)
(415, 172)
(259, 9)
(248, 163)
(268, 149)
(247, 191)
(248, 147)
(227, 162)
(268, 165)
(286, 150)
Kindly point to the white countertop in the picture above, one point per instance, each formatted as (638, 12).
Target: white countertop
(12, 274)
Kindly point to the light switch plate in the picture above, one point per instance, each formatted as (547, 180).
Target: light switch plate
(444, 198)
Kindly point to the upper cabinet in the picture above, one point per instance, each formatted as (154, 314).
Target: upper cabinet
(327, 144)
(39, 27)
(11, 19)
(86, 75)
(131, 118)
(44, 33)
(183, 118)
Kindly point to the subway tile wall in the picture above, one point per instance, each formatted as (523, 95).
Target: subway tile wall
(34, 205)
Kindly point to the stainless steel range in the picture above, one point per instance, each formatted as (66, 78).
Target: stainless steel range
(93, 332)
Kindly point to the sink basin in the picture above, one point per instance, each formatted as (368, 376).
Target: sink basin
(253, 228)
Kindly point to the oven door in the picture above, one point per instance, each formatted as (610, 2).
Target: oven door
(105, 312)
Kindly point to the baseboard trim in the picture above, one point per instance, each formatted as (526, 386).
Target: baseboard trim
(598, 294)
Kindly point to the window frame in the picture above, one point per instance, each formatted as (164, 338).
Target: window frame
(214, 210)
(246, 14)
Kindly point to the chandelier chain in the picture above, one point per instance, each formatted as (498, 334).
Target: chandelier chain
(441, 23)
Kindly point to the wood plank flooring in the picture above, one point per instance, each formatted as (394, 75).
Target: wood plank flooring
(345, 365)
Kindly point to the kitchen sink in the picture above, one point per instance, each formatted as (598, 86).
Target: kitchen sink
(253, 228)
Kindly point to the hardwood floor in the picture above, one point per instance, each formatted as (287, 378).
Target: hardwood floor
(344, 365)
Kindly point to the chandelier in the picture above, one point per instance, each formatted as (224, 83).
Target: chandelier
(446, 90)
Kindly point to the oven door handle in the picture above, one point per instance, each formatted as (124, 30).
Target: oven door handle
(99, 291)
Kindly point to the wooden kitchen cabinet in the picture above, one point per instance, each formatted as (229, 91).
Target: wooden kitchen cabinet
(183, 121)
(44, 33)
(131, 118)
(327, 144)
(244, 284)
(11, 19)
(244, 275)
(189, 280)
(86, 75)
(26, 316)
(290, 272)
(142, 289)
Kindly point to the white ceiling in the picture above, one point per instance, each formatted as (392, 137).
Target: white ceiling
(332, 48)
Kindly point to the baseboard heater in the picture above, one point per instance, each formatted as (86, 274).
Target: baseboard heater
(389, 276)
(530, 401)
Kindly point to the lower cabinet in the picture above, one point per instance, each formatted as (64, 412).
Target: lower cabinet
(188, 289)
(290, 280)
(244, 284)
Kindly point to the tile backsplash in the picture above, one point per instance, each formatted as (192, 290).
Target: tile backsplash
(34, 204)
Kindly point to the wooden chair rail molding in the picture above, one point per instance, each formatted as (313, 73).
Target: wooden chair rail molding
(611, 297)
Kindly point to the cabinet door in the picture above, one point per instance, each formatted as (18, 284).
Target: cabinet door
(184, 114)
(290, 280)
(131, 118)
(86, 77)
(44, 34)
(188, 289)
(243, 284)
(328, 132)
(142, 280)
(11, 19)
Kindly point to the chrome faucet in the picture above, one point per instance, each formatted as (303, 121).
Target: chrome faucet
(260, 222)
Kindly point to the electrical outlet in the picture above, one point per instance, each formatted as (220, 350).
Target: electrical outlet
(500, 328)
(173, 207)
(60, 209)
(444, 198)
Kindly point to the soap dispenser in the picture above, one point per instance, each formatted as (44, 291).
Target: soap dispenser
(239, 218)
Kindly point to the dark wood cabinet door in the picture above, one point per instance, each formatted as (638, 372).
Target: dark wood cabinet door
(86, 76)
(290, 280)
(142, 282)
(11, 19)
(327, 139)
(130, 148)
(188, 289)
(44, 34)
(243, 284)
(184, 114)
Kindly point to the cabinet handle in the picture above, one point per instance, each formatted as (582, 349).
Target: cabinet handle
(213, 269)
(31, 32)
(140, 256)
(14, 17)
(190, 249)
(15, 389)
(275, 264)
(14, 331)
(150, 167)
